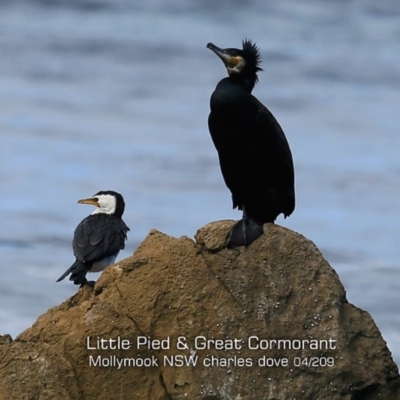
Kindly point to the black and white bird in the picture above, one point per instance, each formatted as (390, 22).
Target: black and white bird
(98, 238)
(254, 155)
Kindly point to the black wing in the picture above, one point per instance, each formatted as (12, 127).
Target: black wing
(99, 236)
(277, 158)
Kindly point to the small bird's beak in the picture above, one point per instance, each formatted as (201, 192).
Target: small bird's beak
(92, 201)
(230, 61)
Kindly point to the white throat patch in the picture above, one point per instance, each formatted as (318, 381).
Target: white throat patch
(107, 204)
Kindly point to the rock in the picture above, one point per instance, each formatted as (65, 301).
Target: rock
(270, 321)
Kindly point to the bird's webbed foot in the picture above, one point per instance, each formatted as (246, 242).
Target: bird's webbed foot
(88, 283)
(244, 232)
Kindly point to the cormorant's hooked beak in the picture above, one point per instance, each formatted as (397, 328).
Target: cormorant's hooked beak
(234, 64)
(93, 201)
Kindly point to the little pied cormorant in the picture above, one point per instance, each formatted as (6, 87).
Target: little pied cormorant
(98, 238)
(254, 155)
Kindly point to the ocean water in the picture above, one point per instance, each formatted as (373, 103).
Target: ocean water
(98, 95)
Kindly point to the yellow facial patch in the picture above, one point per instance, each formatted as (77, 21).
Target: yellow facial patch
(236, 65)
(233, 61)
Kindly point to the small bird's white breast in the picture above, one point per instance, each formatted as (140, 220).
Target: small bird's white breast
(101, 265)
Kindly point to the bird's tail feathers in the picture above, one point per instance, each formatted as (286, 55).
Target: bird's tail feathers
(64, 275)
(78, 271)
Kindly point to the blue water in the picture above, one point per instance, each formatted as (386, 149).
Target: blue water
(98, 95)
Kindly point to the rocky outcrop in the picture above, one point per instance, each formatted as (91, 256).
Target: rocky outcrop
(184, 319)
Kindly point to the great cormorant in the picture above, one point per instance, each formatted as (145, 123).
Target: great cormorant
(254, 155)
(98, 238)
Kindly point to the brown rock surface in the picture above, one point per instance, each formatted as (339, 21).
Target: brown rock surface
(278, 289)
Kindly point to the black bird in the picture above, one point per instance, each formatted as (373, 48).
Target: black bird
(254, 155)
(98, 238)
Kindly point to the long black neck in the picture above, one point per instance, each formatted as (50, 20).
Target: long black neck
(247, 81)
